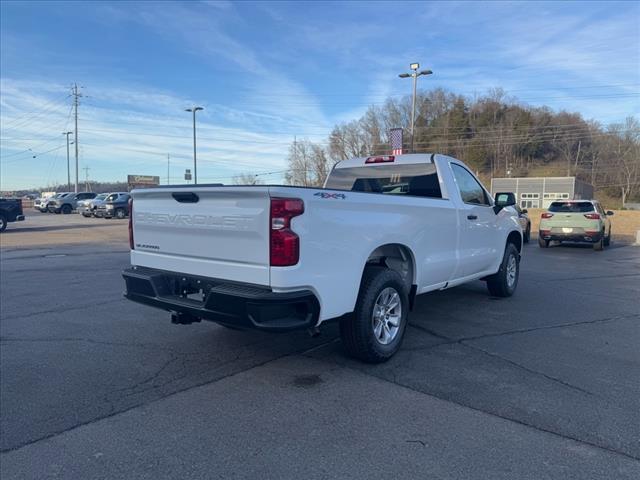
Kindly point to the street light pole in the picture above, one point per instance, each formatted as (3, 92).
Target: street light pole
(68, 169)
(415, 74)
(195, 165)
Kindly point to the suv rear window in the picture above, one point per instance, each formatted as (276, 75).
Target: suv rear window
(571, 207)
(418, 180)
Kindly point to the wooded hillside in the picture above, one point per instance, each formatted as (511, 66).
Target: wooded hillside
(494, 134)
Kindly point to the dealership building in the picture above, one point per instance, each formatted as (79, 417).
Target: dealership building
(539, 192)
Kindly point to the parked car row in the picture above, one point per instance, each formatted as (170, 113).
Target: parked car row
(89, 204)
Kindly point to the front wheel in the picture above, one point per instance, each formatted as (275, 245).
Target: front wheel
(66, 209)
(120, 213)
(527, 235)
(374, 332)
(607, 239)
(504, 282)
(3, 223)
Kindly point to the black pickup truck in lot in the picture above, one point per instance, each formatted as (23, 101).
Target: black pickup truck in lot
(10, 211)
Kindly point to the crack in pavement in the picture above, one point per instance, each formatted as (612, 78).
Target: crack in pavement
(496, 415)
(550, 327)
(527, 369)
(64, 308)
(592, 277)
(142, 404)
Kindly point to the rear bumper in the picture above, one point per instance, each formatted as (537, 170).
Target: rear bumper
(239, 305)
(590, 237)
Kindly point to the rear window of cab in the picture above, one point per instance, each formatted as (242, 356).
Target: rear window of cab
(418, 180)
(571, 207)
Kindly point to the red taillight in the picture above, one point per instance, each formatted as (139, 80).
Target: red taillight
(592, 216)
(131, 245)
(547, 215)
(285, 244)
(385, 159)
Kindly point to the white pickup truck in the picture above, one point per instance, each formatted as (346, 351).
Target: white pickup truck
(382, 230)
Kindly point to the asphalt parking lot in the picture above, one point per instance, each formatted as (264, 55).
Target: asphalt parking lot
(545, 384)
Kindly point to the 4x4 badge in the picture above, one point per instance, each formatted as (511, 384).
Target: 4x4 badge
(330, 195)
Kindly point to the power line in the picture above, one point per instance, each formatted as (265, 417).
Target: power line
(19, 123)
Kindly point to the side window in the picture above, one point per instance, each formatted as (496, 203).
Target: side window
(470, 190)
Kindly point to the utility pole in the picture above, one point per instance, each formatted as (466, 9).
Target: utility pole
(76, 95)
(415, 74)
(194, 109)
(168, 166)
(68, 169)
(87, 187)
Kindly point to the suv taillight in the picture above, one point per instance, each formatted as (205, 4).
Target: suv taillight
(547, 215)
(131, 245)
(284, 243)
(592, 216)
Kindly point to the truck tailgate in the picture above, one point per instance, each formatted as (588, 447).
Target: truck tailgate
(217, 232)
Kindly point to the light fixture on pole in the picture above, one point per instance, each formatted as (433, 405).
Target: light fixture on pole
(195, 166)
(415, 74)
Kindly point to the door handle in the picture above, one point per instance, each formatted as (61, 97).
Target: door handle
(472, 217)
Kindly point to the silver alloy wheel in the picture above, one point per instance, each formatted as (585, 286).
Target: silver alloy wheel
(387, 312)
(512, 270)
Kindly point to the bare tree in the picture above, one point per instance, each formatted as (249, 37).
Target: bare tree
(308, 164)
(246, 179)
(627, 156)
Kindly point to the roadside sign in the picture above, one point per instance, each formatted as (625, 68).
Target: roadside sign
(142, 181)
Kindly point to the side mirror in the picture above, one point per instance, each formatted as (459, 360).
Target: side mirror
(609, 213)
(504, 199)
(524, 210)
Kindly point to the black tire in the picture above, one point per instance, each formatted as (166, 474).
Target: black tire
(527, 234)
(607, 239)
(3, 223)
(120, 213)
(57, 212)
(599, 245)
(66, 209)
(504, 282)
(357, 329)
(542, 242)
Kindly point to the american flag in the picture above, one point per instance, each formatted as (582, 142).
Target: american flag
(396, 141)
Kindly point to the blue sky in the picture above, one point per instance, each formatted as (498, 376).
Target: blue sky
(266, 72)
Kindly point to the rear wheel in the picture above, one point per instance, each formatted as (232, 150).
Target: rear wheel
(505, 281)
(3, 223)
(374, 332)
(542, 242)
(599, 245)
(527, 235)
